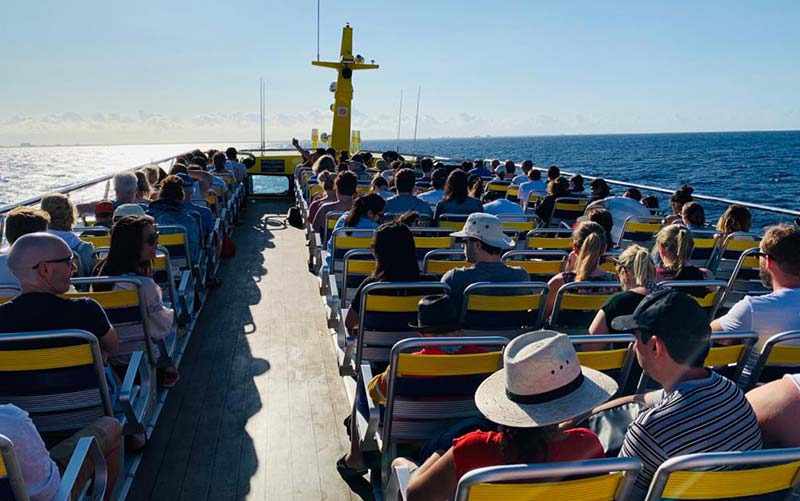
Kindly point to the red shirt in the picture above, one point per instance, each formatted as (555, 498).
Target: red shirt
(480, 449)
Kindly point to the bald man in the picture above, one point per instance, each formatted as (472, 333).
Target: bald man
(43, 265)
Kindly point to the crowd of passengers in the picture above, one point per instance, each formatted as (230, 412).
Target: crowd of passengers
(672, 331)
(45, 251)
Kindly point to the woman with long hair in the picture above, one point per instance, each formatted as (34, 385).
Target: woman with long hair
(681, 196)
(134, 240)
(325, 180)
(456, 198)
(556, 188)
(674, 245)
(693, 216)
(735, 218)
(366, 214)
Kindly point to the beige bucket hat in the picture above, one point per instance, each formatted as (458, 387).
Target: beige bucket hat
(487, 228)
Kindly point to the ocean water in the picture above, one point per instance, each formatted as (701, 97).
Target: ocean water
(758, 167)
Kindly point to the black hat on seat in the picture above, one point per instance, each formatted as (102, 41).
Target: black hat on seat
(436, 314)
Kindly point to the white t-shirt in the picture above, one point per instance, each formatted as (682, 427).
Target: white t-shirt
(768, 315)
(40, 473)
(620, 208)
(502, 206)
(433, 197)
(525, 189)
(522, 178)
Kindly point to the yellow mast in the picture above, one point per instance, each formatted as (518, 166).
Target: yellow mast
(342, 106)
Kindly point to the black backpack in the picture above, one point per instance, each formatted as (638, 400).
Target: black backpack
(295, 218)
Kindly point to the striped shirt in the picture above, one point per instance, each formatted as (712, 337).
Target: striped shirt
(699, 415)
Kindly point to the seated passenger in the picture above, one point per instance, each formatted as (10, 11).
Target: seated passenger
(553, 172)
(456, 198)
(534, 184)
(600, 189)
(437, 317)
(588, 247)
(776, 312)
(62, 220)
(169, 210)
(777, 406)
(576, 185)
(127, 210)
(356, 166)
(380, 187)
(495, 203)
(604, 218)
(426, 167)
(206, 216)
(697, 410)
(735, 218)
(526, 168)
(680, 197)
(633, 194)
(143, 190)
(693, 216)
(541, 385)
(366, 214)
(325, 177)
(232, 164)
(556, 188)
(405, 200)
(435, 195)
(479, 169)
(345, 186)
(43, 265)
(674, 245)
(620, 208)
(42, 469)
(125, 185)
(103, 212)
(650, 202)
(484, 243)
(19, 221)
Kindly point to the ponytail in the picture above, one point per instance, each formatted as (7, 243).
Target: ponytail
(637, 262)
(371, 202)
(678, 245)
(590, 239)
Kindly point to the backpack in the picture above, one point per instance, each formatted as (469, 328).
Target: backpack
(295, 218)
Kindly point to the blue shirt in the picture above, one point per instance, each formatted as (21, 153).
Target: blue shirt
(205, 216)
(364, 223)
(404, 203)
(481, 171)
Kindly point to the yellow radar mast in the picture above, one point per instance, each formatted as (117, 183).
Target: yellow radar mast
(343, 92)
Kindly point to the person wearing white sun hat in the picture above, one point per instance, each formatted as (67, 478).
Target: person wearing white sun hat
(541, 385)
(484, 243)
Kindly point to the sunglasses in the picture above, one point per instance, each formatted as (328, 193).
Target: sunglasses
(67, 259)
(761, 254)
(153, 239)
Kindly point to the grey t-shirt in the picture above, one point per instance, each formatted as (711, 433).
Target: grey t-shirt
(768, 315)
(404, 203)
(459, 278)
(39, 471)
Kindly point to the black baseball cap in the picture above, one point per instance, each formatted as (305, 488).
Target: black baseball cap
(668, 314)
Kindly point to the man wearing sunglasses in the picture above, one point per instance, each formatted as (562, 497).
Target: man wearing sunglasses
(43, 264)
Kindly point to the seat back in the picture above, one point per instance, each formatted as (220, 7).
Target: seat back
(780, 349)
(750, 474)
(175, 240)
(387, 308)
(497, 186)
(12, 484)
(439, 262)
(503, 308)
(358, 265)
(429, 239)
(57, 377)
(744, 280)
(314, 190)
(512, 193)
(534, 199)
(616, 360)
(9, 290)
(518, 225)
(568, 210)
(639, 230)
(549, 239)
(330, 222)
(598, 479)
(705, 245)
(710, 301)
(541, 265)
(427, 393)
(96, 240)
(345, 240)
(455, 222)
(577, 304)
(423, 220)
(730, 250)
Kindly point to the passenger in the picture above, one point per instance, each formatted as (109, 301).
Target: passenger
(508, 170)
(42, 469)
(479, 169)
(410, 219)
(200, 163)
(232, 163)
(556, 188)
(405, 200)
(693, 216)
(325, 179)
(395, 261)
(384, 170)
(169, 210)
(779, 267)
(672, 341)
(600, 189)
(576, 185)
(484, 243)
(533, 185)
(220, 161)
(206, 215)
(456, 198)
(674, 245)
(437, 317)
(588, 247)
(435, 195)
(681, 196)
(380, 187)
(651, 202)
(103, 212)
(62, 221)
(633, 193)
(426, 166)
(777, 406)
(366, 214)
(637, 274)
(308, 158)
(475, 187)
(19, 221)
(125, 184)
(134, 240)
(127, 210)
(604, 218)
(151, 173)
(495, 203)
(345, 186)
(43, 265)
(621, 208)
(526, 167)
(356, 165)
(735, 218)
(143, 190)
(542, 385)
(553, 172)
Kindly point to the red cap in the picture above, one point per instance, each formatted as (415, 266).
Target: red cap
(104, 207)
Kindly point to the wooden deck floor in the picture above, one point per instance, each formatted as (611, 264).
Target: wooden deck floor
(258, 411)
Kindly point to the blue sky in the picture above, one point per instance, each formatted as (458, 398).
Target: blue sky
(122, 72)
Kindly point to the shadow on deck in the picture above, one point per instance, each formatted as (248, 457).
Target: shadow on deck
(258, 411)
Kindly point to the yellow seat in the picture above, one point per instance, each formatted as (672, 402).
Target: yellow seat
(617, 360)
(780, 350)
(503, 308)
(440, 261)
(540, 265)
(577, 304)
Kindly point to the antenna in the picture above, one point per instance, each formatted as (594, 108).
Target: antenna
(399, 119)
(416, 118)
(317, 30)
(263, 90)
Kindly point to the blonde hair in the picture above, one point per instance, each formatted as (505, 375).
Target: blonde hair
(636, 261)
(678, 245)
(590, 239)
(62, 212)
(735, 218)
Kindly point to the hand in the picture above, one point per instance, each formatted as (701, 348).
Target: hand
(295, 142)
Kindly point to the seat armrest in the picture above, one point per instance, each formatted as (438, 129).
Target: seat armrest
(86, 449)
(133, 398)
(370, 433)
(398, 484)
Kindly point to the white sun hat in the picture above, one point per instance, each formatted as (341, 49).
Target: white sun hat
(487, 228)
(542, 383)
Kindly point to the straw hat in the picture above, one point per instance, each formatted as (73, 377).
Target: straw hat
(542, 383)
(486, 228)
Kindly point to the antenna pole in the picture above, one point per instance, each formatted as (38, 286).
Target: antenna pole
(317, 30)
(399, 119)
(263, 111)
(416, 118)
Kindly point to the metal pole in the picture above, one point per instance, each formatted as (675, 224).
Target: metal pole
(317, 30)
(416, 118)
(399, 119)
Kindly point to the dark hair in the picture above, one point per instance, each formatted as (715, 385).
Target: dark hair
(178, 169)
(24, 220)
(650, 201)
(634, 194)
(535, 174)
(475, 186)
(694, 213)
(526, 166)
(603, 218)
(576, 183)
(379, 181)
(558, 187)
(171, 188)
(126, 247)
(408, 218)
(782, 244)
(161, 174)
(681, 196)
(553, 172)
(524, 445)
(395, 254)
(141, 183)
(219, 161)
(344, 155)
(426, 164)
(735, 218)
(438, 178)
(346, 183)
(404, 181)
(396, 165)
(249, 162)
(510, 167)
(371, 202)
(489, 249)
(231, 153)
(455, 188)
(601, 185)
